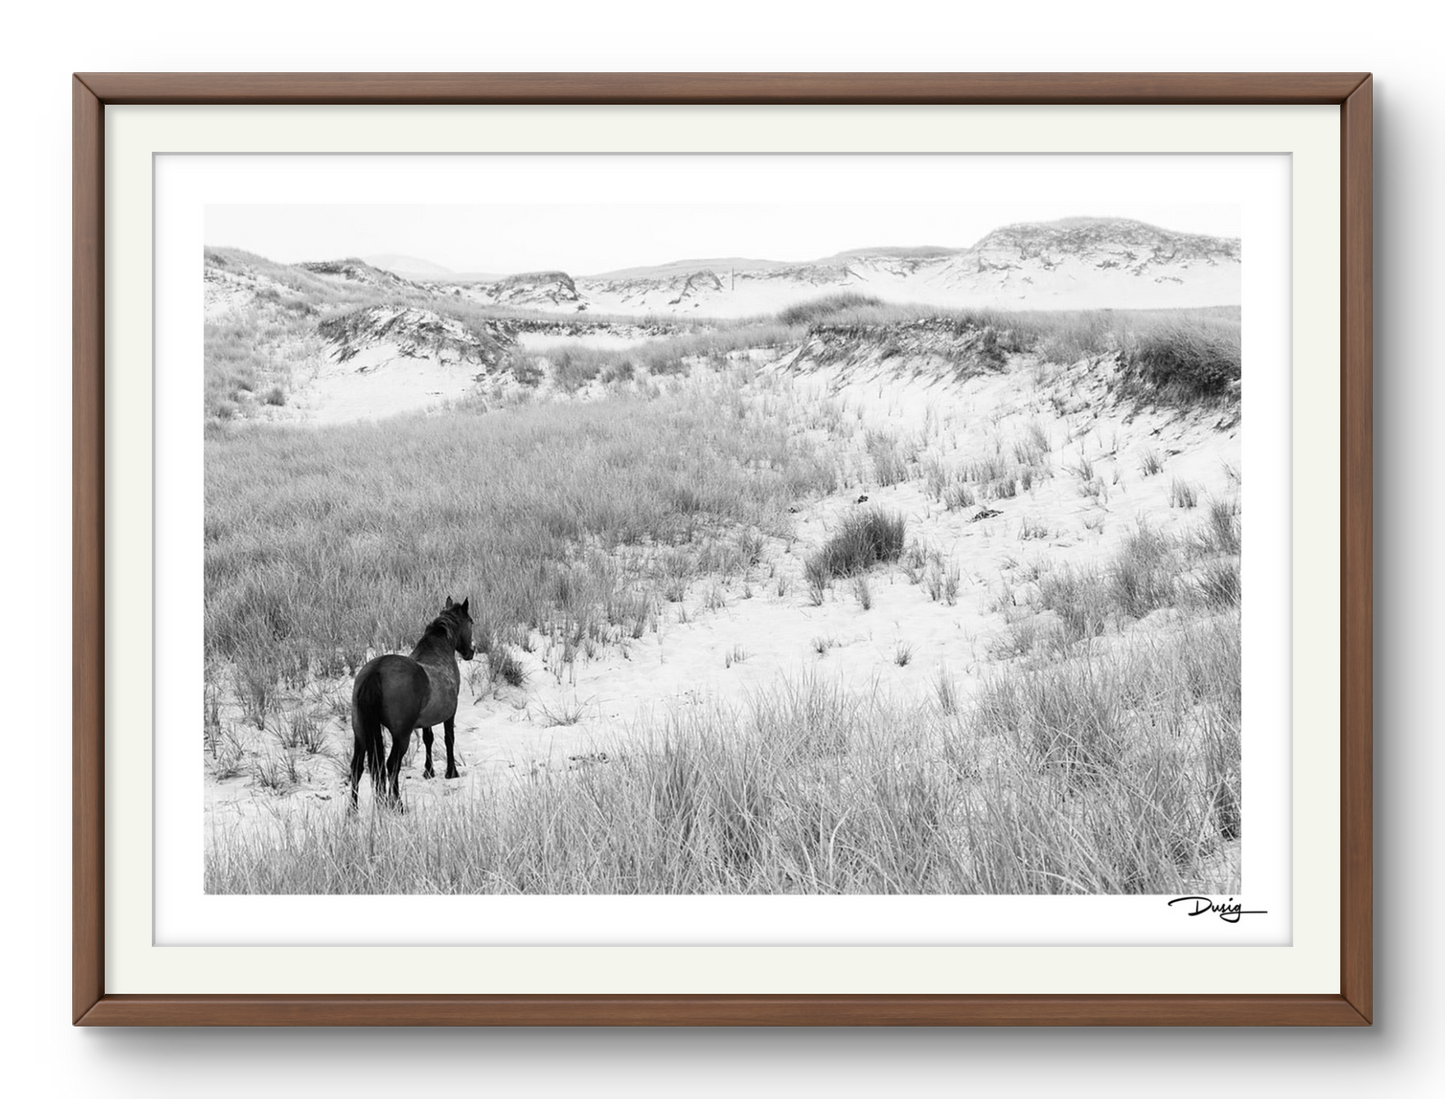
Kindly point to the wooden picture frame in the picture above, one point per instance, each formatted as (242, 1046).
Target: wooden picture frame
(92, 1005)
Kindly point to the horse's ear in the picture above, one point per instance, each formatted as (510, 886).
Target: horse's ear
(449, 604)
(466, 602)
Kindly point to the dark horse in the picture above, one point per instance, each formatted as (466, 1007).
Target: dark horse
(409, 692)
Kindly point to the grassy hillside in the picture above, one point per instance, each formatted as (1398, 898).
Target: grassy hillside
(323, 543)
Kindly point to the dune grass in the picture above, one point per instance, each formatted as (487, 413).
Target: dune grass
(1148, 571)
(829, 307)
(1062, 336)
(1184, 359)
(890, 454)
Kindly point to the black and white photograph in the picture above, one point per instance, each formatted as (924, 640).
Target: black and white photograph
(707, 548)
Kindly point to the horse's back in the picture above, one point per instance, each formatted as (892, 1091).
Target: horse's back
(393, 688)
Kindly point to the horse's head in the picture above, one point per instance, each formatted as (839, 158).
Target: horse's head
(463, 618)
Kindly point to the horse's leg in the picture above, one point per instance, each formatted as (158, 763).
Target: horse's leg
(450, 729)
(376, 760)
(426, 738)
(358, 765)
(399, 742)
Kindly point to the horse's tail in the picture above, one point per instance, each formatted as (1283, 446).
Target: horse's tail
(366, 703)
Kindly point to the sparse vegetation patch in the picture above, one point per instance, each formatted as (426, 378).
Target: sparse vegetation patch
(865, 539)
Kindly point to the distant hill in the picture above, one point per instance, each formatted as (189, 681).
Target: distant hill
(410, 267)
(1075, 263)
(685, 267)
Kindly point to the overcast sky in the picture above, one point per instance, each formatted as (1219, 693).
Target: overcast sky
(585, 239)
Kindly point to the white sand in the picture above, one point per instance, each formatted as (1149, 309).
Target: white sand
(378, 382)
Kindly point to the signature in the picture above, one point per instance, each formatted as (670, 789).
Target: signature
(1229, 911)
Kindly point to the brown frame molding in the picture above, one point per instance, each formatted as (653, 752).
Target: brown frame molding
(92, 1006)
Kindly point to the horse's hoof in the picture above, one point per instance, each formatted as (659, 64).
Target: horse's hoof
(454, 774)
(428, 774)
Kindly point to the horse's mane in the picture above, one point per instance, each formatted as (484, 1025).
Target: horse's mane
(447, 624)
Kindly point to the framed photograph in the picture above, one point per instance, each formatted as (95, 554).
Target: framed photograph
(722, 549)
